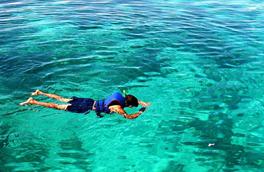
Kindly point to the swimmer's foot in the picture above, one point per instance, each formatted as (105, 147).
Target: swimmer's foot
(37, 92)
(29, 101)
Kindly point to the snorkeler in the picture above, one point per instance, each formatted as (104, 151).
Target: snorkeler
(115, 103)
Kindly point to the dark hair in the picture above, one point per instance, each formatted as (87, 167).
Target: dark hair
(131, 101)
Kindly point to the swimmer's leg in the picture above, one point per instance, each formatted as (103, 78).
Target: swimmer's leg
(54, 96)
(49, 105)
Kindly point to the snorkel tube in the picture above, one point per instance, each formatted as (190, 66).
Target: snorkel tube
(125, 92)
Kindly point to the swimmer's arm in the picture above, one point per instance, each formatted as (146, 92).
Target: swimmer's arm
(120, 110)
(144, 104)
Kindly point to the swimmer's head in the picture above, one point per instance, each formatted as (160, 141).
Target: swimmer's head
(131, 101)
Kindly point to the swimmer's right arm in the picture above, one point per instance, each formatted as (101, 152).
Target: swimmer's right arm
(132, 116)
(120, 110)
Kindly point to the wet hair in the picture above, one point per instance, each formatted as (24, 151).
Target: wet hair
(131, 101)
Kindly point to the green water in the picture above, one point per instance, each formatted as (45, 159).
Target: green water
(199, 63)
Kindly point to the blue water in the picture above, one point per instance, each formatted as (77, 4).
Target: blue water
(199, 63)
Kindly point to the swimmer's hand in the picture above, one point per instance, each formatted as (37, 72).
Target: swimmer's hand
(144, 104)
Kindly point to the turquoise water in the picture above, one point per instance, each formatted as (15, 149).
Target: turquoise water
(200, 64)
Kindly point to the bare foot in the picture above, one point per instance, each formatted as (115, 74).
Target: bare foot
(29, 100)
(37, 92)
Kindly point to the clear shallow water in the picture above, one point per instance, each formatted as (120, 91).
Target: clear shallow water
(200, 64)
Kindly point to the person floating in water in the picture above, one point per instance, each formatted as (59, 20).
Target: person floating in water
(115, 103)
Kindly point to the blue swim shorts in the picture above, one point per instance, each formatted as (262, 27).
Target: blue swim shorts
(80, 105)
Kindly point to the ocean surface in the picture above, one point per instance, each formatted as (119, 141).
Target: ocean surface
(199, 63)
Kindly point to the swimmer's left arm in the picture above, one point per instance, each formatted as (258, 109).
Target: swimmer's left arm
(144, 104)
(120, 110)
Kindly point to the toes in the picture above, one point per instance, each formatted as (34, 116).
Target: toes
(29, 100)
(22, 104)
